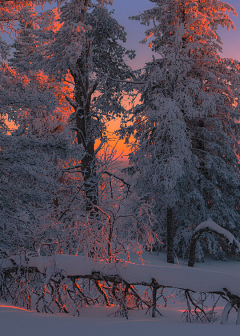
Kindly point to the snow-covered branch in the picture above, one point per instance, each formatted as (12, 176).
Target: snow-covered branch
(78, 267)
(210, 227)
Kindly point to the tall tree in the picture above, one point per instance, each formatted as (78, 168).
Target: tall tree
(186, 126)
(91, 60)
(87, 44)
(27, 167)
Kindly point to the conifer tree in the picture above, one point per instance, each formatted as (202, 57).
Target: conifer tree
(186, 126)
(86, 44)
(24, 44)
(90, 58)
(28, 170)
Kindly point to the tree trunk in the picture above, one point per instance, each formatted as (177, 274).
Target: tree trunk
(85, 130)
(88, 163)
(170, 236)
(195, 237)
(191, 258)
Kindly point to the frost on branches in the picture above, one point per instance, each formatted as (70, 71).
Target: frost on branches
(186, 126)
(60, 194)
(66, 282)
(59, 104)
(68, 217)
(91, 68)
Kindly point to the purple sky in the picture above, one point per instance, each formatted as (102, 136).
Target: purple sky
(135, 31)
(231, 39)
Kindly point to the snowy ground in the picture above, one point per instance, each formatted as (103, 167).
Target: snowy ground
(94, 320)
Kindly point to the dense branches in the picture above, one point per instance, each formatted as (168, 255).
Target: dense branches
(68, 282)
(62, 194)
(60, 92)
(186, 126)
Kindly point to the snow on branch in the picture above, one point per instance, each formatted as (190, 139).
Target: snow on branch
(211, 227)
(134, 274)
(61, 274)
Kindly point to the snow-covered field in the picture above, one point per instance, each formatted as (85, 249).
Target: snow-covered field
(95, 320)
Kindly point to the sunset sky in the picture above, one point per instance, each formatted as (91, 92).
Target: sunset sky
(136, 32)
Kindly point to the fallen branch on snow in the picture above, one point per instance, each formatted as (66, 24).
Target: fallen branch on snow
(58, 270)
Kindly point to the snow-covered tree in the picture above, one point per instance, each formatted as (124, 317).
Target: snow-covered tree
(86, 45)
(24, 44)
(87, 207)
(186, 125)
(11, 12)
(28, 181)
(27, 159)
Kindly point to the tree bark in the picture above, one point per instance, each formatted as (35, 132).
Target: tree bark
(85, 130)
(170, 236)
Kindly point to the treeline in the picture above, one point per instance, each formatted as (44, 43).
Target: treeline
(64, 79)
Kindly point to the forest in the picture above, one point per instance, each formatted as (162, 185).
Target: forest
(75, 226)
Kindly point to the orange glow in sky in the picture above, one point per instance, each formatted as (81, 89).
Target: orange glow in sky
(121, 148)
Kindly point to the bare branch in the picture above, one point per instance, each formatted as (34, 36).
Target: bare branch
(71, 102)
